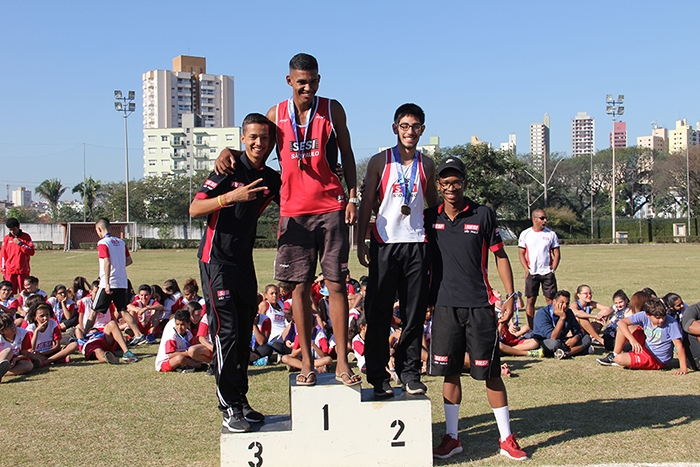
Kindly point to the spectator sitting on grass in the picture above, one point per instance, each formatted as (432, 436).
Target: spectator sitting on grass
(80, 288)
(621, 309)
(18, 342)
(31, 287)
(319, 351)
(29, 307)
(178, 348)
(63, 307)
(582, 308)
(691, 335)
(558, 331)
(145, 310)
(8, 303)
(190, 292)
(86, 312)
(652, 340)
(100, 344)
(674, 306)
(46, 338)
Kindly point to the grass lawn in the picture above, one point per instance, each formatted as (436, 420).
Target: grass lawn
(571, 412)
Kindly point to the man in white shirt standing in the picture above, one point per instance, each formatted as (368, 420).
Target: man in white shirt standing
(539, 253)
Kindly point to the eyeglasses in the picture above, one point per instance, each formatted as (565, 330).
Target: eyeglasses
(543, 218)
(405, 127)
(456, 185)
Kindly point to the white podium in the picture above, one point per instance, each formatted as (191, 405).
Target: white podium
(335, 425)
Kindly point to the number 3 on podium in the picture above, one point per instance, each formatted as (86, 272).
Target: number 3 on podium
(257, 454)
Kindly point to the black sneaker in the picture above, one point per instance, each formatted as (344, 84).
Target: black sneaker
(383, 390)
(608, 360)
(415, 387)
(210, 370)
(251, 415)
(236, 423)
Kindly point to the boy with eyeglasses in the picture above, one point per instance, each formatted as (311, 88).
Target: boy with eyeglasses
(539, 254)
(401, 180)
(464, 321)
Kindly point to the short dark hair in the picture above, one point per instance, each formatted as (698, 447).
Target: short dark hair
(409, 109)
(562, 293)
(192, 306)
(254, 117)
(103, 222)
(5, 284)
(654, 307)
(11, 222)
(6, 321)
(649, 291)
(183, 315)
(303, 62)
(671, 298)
(146, 288)
(32, 279)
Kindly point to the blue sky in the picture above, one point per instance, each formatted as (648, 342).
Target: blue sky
(477, 68)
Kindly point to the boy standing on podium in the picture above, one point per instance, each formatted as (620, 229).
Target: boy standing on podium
(460, 231)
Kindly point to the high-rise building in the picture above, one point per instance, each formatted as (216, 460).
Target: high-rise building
(187, 117)
(620, 138)
(188, 88)
(181, 151)
(510, 145)
(657, 141)
(539, 142)
(582, 135)
(22, 197)
(682, 136)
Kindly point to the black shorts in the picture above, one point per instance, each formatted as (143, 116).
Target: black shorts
(459, 330)
(102, 300)
(303, 239)
(548, 281)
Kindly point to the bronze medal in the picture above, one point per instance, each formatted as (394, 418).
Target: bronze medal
(405, 210)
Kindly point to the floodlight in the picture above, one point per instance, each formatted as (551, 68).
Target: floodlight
(609, 110)
(132, 95)
(118, 106)
(620, 110)
(609, 98)
(620, 98)
(117, 94)
(132, 106)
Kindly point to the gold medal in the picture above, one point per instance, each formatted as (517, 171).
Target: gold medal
(405, 210)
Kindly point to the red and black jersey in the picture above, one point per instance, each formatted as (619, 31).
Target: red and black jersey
(460, 259)
(230, 232)
(308, 160)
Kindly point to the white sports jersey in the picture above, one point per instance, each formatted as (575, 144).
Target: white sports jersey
(391, 225)
(358, 348)
(278, 321)
(101, 319)
(115, 249)
(17, 344)
(172, 304)
(58, 309)
(45, 339)
(538, 247)
(169, 334)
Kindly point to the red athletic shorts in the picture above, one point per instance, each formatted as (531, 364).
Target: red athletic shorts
(644, 360)
(100, 343)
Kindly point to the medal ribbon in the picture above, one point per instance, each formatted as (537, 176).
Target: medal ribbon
(402, 180)
(292, 117)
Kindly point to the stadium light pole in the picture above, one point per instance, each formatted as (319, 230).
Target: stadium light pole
(126, 106)
(615, 109)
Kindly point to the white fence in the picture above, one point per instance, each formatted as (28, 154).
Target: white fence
(55, 233)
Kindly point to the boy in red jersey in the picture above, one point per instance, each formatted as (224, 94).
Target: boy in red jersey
(314, 213)
(17, 248)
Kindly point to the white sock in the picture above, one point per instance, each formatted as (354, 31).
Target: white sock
(502, 415)
(452, 419)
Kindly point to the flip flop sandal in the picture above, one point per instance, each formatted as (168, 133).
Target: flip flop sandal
(352, 380)
(308, 379)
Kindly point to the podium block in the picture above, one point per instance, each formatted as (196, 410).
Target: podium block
(334, 425)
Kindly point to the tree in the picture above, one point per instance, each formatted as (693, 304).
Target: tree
(23, 214)
(51, 190)
(670, 183)
(89, 190)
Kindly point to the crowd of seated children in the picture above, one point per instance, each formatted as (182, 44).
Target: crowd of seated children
(511, 336)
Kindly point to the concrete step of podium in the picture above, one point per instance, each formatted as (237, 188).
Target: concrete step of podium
(335, 425)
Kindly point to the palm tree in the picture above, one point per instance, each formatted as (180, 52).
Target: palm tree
(51, 190)
(88, 190)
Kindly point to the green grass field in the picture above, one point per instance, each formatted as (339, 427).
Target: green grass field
(571, 412)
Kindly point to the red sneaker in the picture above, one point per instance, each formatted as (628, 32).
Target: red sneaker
(448, 448)
(510, 448)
